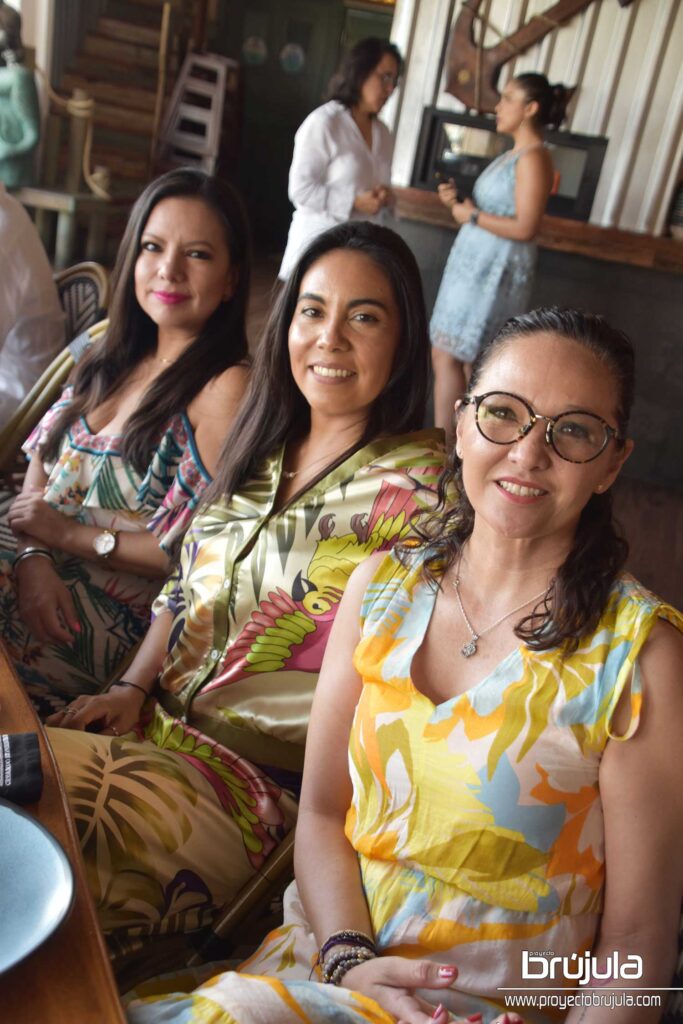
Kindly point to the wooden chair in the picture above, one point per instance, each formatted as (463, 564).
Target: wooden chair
(84, 294)
(248, 912)
(44, 392)
(275, 874)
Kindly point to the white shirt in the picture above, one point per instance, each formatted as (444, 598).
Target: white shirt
(31, 316)
(332, 164)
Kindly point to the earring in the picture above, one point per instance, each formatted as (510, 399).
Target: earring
(599, 489)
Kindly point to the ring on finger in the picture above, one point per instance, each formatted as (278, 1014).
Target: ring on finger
(114, 730)
(70, 711)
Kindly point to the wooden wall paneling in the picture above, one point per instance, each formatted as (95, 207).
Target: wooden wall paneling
(575, 68)
(609, 46)
(512, 19)
(402, 34)
(674, 176)
(432, 22)
(529, 60)
(641, 96)
(661, 137)
(625, 72)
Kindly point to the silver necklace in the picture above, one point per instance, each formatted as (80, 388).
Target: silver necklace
(470, 648)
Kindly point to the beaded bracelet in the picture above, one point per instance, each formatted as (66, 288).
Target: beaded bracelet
(340, 962)
(346, 937)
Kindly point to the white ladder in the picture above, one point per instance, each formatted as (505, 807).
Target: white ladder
(191, 130)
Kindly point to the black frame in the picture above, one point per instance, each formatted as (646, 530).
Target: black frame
(425, 168)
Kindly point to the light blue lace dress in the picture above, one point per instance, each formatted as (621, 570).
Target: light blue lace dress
(486, 278)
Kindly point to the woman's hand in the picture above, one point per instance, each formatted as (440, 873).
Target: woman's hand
(45, 603)
(391, 981)
(114, 712)
(461, 211)
(31, 514)
(368, 203)
(448, 193)
(386, 196)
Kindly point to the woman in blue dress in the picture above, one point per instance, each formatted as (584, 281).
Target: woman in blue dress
(490, 268)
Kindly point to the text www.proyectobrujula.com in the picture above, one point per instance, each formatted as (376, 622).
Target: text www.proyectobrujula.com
(567, 1000)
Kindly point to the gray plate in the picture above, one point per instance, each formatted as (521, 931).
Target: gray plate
(36, 885)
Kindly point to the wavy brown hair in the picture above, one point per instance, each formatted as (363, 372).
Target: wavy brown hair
(132, 334)
(274, 411)
(576, 597)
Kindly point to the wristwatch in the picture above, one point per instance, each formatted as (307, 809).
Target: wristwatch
(105, 543)
(474, 216)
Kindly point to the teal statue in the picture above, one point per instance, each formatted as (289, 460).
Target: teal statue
(19, 106)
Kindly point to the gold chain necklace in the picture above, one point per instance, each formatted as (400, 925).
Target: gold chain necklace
(470, 648)
(289, 474)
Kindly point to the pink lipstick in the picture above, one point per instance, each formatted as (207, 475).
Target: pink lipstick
(170, 298)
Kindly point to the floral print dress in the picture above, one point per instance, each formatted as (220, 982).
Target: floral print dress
(477, 822)
(175, 820)
(486, 278)
(90, 481)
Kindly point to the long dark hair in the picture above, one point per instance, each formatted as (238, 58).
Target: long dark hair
(275, 411)
(357, 65)
(576, 598)
(552, 99)
(132, 335)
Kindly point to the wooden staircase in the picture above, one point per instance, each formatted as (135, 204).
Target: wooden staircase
(117, 65)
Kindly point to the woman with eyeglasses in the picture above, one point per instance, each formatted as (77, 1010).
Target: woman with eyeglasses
(491, 798)
(341, 167)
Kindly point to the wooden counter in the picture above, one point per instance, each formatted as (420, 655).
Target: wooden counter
(68, 979)
(573, 236)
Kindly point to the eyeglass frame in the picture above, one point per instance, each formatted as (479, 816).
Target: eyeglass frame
(386, 78)
(610, 432)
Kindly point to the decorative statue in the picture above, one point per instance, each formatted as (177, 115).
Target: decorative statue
(19, 107)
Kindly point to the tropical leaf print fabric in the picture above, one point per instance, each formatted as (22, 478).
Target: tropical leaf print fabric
(206, 789)
(91, 482)
(477, 822)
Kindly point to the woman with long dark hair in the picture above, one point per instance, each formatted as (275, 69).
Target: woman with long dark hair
(490, 269)
(119, 463)
(490, 801)
(341, 167)
(324, 465)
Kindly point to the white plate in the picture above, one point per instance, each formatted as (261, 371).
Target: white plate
(36, 885)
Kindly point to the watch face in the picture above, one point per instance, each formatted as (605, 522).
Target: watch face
(104, 543)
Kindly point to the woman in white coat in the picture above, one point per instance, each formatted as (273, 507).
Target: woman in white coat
(341, 168)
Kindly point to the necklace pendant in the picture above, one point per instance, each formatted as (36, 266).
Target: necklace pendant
(470, 648)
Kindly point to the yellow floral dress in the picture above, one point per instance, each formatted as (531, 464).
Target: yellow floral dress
(477, 822)
(174, 821)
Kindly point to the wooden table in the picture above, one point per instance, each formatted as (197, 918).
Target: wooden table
(67, 980)
(67, 207)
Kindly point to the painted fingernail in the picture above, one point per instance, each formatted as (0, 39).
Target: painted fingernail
(475, 1017)
(447, 971)
(437, 1012)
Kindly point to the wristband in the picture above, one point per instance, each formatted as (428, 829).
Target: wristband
(474, 216)
(126, 682)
